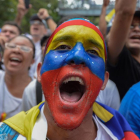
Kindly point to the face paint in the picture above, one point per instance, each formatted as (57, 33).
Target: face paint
(73, 72)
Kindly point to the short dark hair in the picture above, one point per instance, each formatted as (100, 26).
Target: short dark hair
(44, 39)
(12, 23)
(29, 41)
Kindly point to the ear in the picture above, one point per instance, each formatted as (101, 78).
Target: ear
(38, 72)
(105, 80)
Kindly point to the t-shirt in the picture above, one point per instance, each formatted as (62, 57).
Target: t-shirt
(130, 108)
(8, 103)
(126, 73)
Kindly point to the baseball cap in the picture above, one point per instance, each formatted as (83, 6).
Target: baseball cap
(35, 17)
(137, 13)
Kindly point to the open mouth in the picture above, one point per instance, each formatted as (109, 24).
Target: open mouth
(16, 60)
(72, 89)
(135, 37)
(35, 28)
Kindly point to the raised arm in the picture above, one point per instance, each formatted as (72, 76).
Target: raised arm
(44, 15)
(21, 11)
(123, 17)
(102, 21)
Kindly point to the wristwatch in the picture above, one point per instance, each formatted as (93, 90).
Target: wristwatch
(49, 17)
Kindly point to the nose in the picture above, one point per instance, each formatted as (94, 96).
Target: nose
(16, 49)
(137, 28)
(77, 55)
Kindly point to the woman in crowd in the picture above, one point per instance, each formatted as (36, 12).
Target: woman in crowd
(18, 57)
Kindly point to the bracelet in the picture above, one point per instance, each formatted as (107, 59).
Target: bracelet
(47, 18)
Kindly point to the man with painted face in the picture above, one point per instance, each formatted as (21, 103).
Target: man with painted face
(72, 74)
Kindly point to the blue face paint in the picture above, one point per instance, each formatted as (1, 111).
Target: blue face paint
(58, 58)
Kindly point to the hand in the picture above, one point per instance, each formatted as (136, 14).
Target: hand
(22, 9)
(3, 40)
(106, 2)
(43, 13)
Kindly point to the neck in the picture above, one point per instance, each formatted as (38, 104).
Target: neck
(87, 129)
(36, 38)
(17, 83)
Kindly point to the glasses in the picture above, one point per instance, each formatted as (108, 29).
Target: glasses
(134, 26)
(22, 48)
(37, 22)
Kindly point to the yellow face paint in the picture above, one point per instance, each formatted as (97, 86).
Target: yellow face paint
(70, 35)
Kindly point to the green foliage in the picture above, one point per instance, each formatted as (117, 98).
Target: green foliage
(8, 10)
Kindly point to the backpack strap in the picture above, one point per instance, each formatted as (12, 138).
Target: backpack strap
(38, 92)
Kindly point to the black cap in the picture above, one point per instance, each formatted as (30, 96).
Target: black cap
(137, 13)
(35, 17)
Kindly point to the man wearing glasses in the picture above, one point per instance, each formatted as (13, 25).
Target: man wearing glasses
(38, 29)
(124, 50)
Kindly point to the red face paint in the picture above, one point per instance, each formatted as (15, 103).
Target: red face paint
(67, 112)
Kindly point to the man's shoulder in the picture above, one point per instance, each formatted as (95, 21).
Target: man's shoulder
(136, 88)
(114, 121)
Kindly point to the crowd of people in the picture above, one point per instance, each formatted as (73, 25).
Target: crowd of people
(71, 80)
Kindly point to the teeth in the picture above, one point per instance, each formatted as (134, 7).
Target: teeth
(74, 79)
(15, 59)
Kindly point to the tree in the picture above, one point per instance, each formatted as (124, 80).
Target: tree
(8, 10)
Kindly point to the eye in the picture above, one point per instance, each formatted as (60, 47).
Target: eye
(63, 47)
(94, 52)
(25, 49)
(11, 45)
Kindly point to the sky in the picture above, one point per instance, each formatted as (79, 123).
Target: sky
(97, 1)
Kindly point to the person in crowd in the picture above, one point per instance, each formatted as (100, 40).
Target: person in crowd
(130, 108)
(72, 74)
(18, 57)
(124, 46)
(9, 30)
(102, 21)
(37, 29)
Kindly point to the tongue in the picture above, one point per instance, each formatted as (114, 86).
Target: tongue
(71, 97)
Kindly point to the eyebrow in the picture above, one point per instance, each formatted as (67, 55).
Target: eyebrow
(63, 38)
(95, 43)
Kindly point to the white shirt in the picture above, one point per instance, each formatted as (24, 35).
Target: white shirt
(8, 103)
(110, 95)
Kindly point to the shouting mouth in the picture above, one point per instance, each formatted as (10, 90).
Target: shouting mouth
(15, 61)
(72, 89)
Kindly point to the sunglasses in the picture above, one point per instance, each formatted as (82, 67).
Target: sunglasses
(37, 22)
